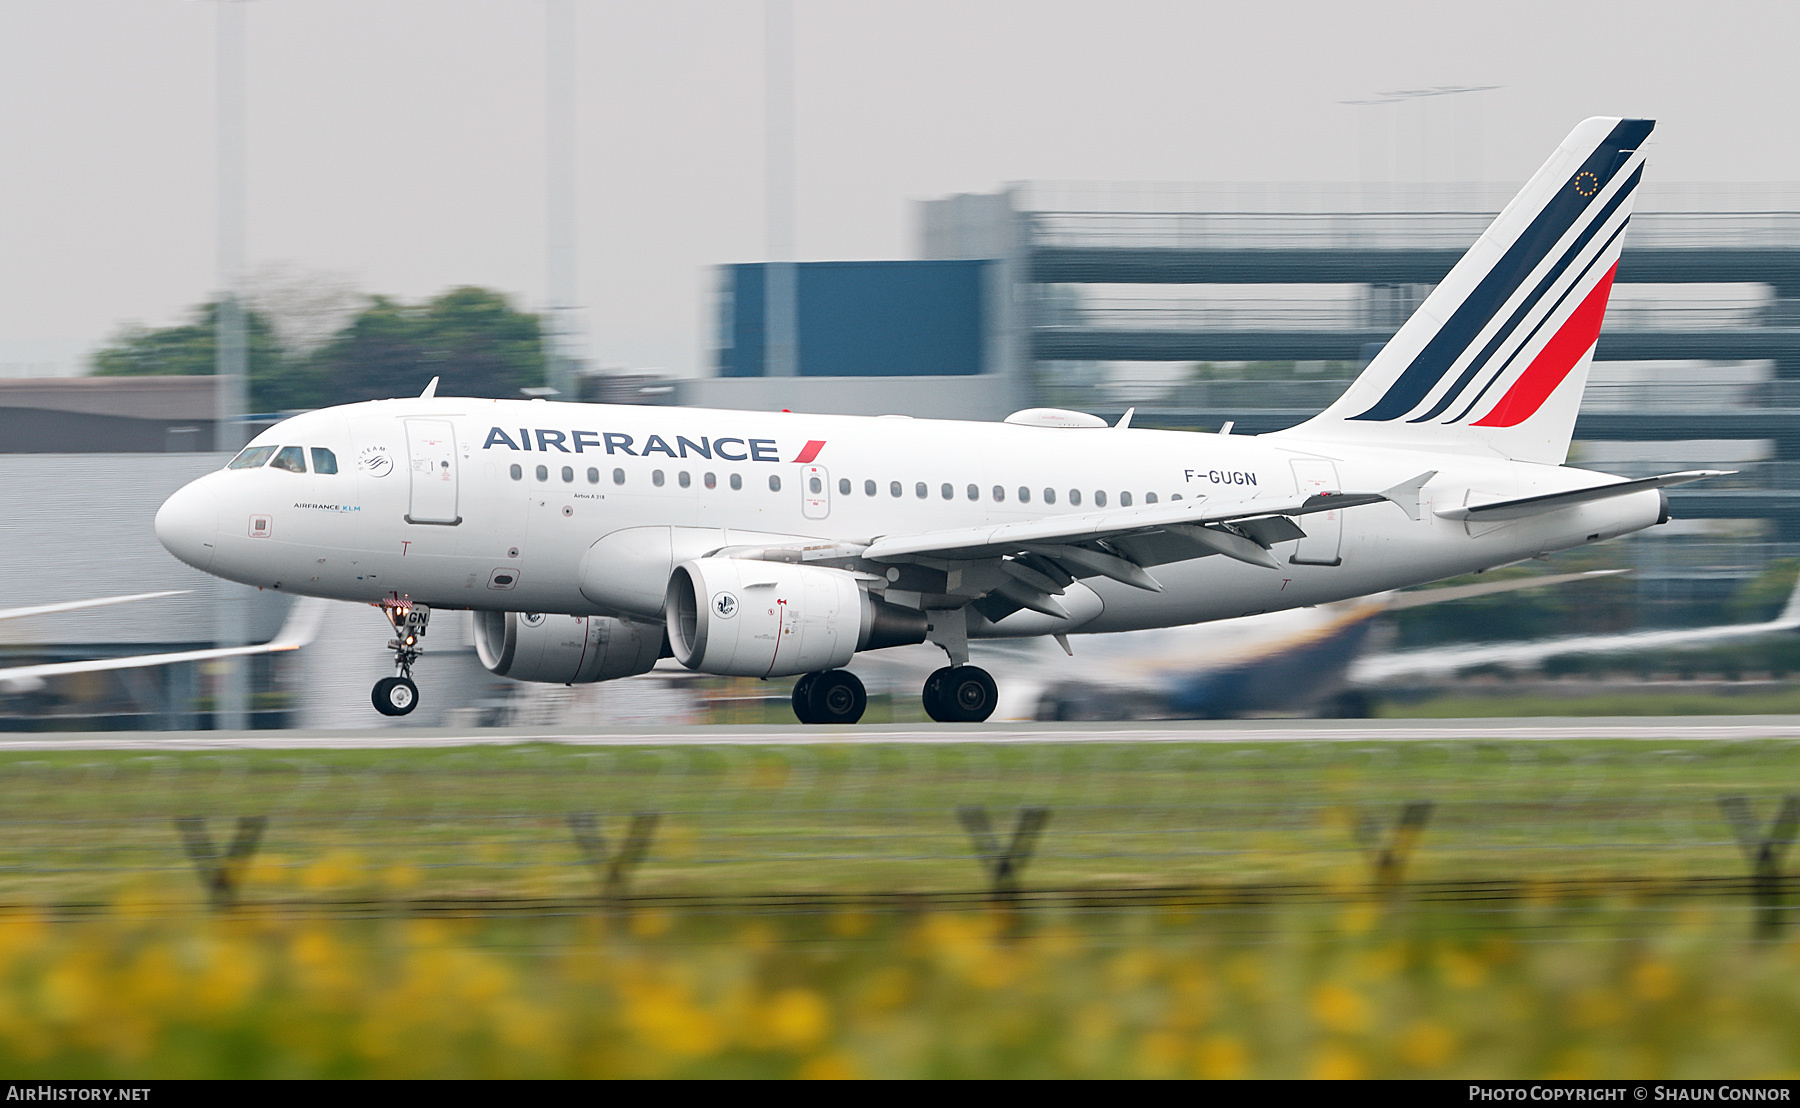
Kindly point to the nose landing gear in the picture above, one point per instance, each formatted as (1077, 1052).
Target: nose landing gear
(397, 695)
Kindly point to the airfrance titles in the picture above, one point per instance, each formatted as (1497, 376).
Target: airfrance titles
(726, 448)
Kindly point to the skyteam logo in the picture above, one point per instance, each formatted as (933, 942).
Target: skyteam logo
(1553, 279)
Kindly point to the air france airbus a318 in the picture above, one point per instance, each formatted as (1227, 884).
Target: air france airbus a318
(591, 540)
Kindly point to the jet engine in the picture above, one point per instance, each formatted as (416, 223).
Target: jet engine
(566, 650)
(747, 618)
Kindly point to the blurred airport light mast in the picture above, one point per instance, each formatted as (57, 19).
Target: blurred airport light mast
(1465, 133)
(231, 610)
(561, 346)
(780, 292)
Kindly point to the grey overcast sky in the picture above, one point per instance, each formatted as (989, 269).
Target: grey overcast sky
(400, 142)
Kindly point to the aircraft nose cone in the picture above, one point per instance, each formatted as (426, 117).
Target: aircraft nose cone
(188, 525)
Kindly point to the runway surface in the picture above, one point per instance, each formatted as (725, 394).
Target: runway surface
(1714, 728)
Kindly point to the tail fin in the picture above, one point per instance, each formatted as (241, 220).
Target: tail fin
(1496, 358)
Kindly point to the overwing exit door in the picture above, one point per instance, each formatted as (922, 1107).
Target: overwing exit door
(431, 452)
(1324, 530)
(815, 492)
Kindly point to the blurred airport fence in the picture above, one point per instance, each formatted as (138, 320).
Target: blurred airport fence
(881, 824)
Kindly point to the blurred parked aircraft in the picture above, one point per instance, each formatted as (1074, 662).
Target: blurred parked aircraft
(1306, 661)
(301, 625)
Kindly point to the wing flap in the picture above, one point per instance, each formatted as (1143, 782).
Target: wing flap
(990, 541)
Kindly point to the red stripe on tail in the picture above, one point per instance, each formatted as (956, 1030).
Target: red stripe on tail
(810, 451)
(1554, 362)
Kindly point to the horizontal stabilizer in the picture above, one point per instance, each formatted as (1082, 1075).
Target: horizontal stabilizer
(1536, 505)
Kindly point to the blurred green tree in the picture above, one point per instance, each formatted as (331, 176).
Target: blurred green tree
(190, 349)
(471, 338)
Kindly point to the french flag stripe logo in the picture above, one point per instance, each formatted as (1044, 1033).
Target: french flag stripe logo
(810, 451)
(1553, 363)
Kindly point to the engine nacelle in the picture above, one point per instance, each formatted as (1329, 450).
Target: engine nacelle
(745, 618)
(565, 650)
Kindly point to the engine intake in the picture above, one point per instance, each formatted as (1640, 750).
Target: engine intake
(564, 650)
(744, 618)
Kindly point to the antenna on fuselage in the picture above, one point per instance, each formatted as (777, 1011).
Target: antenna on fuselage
(1124, 420)
(430, 390)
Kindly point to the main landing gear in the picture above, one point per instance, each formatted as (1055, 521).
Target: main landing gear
(954, 694)
(397, 695)
(830, 696)
(960, 694)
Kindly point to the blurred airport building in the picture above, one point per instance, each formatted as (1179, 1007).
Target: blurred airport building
(1195, 305)
(1256, 304)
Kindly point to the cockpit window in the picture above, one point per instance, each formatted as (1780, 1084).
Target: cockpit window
(324, 461)
(251, 457)
(290, 458)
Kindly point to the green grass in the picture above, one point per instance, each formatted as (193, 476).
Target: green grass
(492, 822)
(1786, 702)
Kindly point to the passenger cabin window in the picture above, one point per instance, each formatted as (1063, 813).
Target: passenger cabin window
(656, 478)
(518, 472)
(711, 481)
(999, 494)
(1075, 496)
(774, 483)
(1149, 498)
(252, 457)
(568, 474)
(618, 476)
(868, 488)
(893, 488)
(1049, 496)
(921, 491)
(683, 479)
(947, 491)
(737, 481)
(593, 476)
(975, 492)
(1024, 495)
(543, 473)
(1100, 499)
(844, 485)
(815, 486)
(324, 461)
(290, 458)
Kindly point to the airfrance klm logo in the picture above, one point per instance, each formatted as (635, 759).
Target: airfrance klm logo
(725, 448)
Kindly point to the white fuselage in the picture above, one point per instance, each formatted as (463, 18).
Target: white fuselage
(491, 504)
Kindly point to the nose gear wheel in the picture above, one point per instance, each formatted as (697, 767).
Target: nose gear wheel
(398, 695)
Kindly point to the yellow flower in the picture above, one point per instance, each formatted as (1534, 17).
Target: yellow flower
(1653, 981)
(797, 1018)
(1337, 1063)
(1426, 1045)
(1221, 1057)
(1340, 1008)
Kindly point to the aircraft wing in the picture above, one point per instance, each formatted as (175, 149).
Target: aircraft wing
(1032, 561)
(74, 605)
(1412, 663)
(301, 625)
